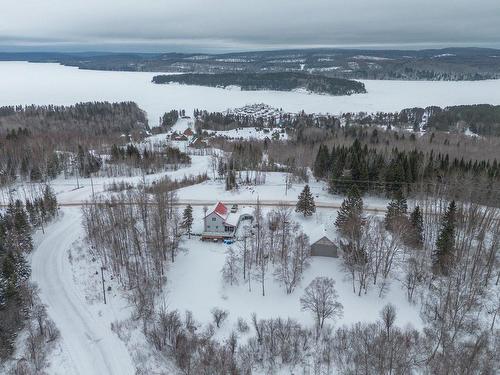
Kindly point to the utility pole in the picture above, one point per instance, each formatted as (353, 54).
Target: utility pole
(286, 184)
(92, 185)
(285, 223)
(77, 183)
(244, 255)
(103, 288)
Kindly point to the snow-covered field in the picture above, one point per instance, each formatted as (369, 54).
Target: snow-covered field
(29, 83)
(272, 192)
(70, 284)
(104, 339)
(205, 291)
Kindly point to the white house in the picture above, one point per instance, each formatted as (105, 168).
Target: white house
(220, 222)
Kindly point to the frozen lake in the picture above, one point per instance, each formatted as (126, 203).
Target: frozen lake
(28, 83)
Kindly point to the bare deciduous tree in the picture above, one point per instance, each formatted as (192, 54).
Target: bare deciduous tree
(388, 315)
(219, 316)
(231, 268)
(321, 298)
(290, 268)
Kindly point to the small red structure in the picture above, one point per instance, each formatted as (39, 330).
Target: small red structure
(220, 209)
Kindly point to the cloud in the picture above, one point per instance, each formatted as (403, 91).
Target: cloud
(233, 24)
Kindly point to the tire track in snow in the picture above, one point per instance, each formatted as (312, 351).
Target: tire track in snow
(88, 341)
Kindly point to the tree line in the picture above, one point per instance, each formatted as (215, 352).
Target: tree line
(373, 171)
(19, 304)
(282, 81)
(37, 143)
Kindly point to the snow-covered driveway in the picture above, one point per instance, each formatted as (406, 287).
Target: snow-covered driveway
(89, 343)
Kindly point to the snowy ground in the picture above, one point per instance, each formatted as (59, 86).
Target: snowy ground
(70, 283)
(71, 190)
(205, 291)
(66, 273)
(88, 344)
(103, 339)
(271, 192)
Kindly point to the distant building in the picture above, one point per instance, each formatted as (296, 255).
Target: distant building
(324, 247)
(198, 142)
(179, 137)
(156, 130)
(221, 223)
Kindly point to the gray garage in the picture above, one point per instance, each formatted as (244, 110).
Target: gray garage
(324, 248)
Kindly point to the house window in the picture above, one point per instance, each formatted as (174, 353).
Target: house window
(213, 219)
(208, 226)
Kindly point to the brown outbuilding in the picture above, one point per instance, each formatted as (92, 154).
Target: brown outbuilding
(324, 247)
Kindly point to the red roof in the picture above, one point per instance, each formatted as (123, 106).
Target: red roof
(188, 132)
(220, 209)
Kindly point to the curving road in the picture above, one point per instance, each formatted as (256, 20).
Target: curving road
(89, 343)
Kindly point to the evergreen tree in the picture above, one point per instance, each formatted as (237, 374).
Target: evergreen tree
(305, 204)
(230, 180)
(3, 290)
(89, 163)
(9, 276)
(53, 166)
(350, 215)
(33, 214)
(18, 228)
(3, 229)
(35, 174)
(187, 219)
(42, 210)
(321, 163)
(50, 201)
(443, 255)
(417, 227)
(359, 168)
(221, 169)
(115, 153)
(396, 211)
(15, 270)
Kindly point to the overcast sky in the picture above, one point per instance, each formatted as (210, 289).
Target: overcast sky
(219, 25)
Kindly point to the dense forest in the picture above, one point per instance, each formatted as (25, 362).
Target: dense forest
(481, 119)
(95, 118)
(285, 81)
(449, 64)
(376, 161)
(37, 143)
(389, 172)
(205, 120)
(169, 119)
(19, 304)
